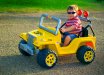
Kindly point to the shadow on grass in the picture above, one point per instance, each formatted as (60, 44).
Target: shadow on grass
(21, 65)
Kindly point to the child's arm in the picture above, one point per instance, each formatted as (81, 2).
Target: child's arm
(68, 29)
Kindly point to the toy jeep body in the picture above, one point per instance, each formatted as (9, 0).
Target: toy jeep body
(45, 42)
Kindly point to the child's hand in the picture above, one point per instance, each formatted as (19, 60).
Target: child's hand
(63, 30)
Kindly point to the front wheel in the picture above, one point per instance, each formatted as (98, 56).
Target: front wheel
(85, 54)
(46, 58)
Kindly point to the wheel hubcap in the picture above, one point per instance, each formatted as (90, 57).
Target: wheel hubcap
(50, 59)
(88, 56)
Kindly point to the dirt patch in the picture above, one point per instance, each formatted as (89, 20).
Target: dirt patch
(13, 63)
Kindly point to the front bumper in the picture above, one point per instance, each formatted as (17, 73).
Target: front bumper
(27, 48)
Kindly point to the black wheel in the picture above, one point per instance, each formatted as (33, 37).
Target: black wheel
(46, 58)
(21, 50)
(85, 54)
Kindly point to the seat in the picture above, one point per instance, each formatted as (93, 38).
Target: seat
(84, 32)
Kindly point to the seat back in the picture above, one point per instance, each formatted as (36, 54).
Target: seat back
(84, 32)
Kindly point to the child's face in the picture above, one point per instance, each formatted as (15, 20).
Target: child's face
(72, 14)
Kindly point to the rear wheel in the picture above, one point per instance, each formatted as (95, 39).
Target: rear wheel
(46, 58)
(21, 50)
(85, 54)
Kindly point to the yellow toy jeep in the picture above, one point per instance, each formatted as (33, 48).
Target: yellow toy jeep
(45, 42)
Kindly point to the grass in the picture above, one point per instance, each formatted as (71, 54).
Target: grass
(47, 5)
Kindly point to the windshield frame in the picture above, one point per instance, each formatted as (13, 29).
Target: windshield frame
(46, 28)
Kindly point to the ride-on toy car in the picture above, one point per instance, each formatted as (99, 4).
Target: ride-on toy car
(46, 43)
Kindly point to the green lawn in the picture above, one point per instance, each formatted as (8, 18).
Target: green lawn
(47, 5)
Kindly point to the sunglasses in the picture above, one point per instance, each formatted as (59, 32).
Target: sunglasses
(71, 12)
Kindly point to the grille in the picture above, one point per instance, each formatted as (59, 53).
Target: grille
(30, 40)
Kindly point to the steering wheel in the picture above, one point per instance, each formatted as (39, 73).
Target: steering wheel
(61, 27)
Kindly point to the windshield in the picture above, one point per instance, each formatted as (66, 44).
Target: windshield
(50, 24)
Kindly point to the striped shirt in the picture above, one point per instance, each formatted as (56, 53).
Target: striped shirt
(74, 22)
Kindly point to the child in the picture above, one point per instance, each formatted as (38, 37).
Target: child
(72, 25)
